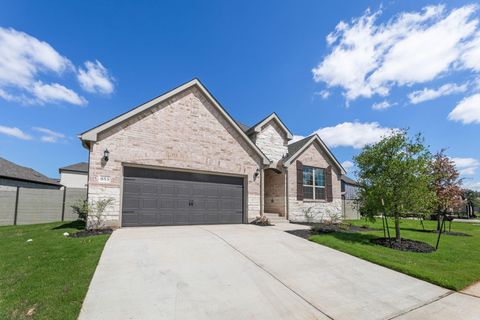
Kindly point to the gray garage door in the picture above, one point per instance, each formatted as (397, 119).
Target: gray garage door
(159, 197)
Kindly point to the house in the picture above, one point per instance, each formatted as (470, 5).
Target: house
(350, 189)
(13, 175)
(181, 158)
(74, 175)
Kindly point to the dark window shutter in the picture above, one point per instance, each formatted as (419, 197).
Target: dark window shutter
(328, 184)
(299, 180)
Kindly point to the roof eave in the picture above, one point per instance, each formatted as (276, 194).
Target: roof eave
(92, 135)
(258, 127)
(315, 138)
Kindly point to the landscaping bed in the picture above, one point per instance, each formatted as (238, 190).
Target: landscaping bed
(89, 233)
(404, 245)
(43, 274)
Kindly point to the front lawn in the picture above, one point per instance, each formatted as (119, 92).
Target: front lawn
(454, 265)
(48, 277)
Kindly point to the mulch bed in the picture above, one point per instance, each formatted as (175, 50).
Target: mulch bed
(323, 228)
(89, 233)
(405, 245)
(305, 234)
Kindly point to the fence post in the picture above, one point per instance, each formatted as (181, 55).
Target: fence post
(63, 206)
(16, 207)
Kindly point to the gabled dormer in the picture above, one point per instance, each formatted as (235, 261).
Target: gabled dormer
(271, 136)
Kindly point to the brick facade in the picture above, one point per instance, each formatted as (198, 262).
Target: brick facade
(314, 156)
(184, 132)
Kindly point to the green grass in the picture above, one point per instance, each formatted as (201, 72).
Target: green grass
(454, 265)
(50, 274)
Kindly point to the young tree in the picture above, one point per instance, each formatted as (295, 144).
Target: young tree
(397, 170)
(472, 199)
(446, 184)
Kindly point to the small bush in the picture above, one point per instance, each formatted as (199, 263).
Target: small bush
(92, 213)
(80, 208)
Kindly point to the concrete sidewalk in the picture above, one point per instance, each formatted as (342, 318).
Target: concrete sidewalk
(250, 272)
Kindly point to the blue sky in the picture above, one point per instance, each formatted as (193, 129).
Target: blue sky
(349, 70)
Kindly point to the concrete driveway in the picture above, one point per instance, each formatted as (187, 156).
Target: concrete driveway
(250, 272)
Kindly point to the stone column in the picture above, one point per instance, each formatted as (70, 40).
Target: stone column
(262, 192)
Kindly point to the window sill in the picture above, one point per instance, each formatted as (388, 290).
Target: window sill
(315, 200)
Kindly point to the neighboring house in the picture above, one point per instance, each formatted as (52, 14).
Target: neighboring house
(182, 159)
(350, 189)
(74, 175)
(12, 176)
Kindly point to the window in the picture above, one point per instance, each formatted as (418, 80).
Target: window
(313, 183)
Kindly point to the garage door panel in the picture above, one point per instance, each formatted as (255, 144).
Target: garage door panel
(129, 218)
(130, 186)
(149, 199)
(131, 203)
(149, 203)
(148, 188)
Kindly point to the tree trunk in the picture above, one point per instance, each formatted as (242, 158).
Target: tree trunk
(397, 228)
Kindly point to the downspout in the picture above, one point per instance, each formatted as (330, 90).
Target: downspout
(262, 191)
(286, 194)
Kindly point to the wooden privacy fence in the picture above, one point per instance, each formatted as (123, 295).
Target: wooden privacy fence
(29, 205)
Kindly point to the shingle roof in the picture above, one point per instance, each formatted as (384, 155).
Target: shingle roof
(11, 170)
(78, 167)
(349, 180)
(294, 147)
(242, 126)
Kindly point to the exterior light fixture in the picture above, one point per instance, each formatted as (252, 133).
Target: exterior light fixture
(257, 172)
(106, 155)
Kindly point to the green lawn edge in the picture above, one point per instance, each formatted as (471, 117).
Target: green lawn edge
(455, 265)
(49, 275)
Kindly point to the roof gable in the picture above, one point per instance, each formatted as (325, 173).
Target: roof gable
(92, 134)
(258, 127)
(295, 149)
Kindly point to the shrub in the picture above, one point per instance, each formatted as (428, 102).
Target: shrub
(80, 208)
(92, 213)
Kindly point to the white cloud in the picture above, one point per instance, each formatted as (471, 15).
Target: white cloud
(368, 58)
(430, 94)
(466, 166)
(14, 132)
(324, 94)
(295, 138)
(471, 55)
(95, 78)
(22, 57)
(382, 105)
(467, 110)
(24, 60)
(353, 134)
(56, 93)
(49, 135)
(473, 185)
(347, 165)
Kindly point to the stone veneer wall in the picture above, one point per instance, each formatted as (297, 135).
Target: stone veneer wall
(185, 132)
(314, 156)
(275, 197)
(272, 140)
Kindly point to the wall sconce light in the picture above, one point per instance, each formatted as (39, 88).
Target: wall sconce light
(257, 172)
(106, 155)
